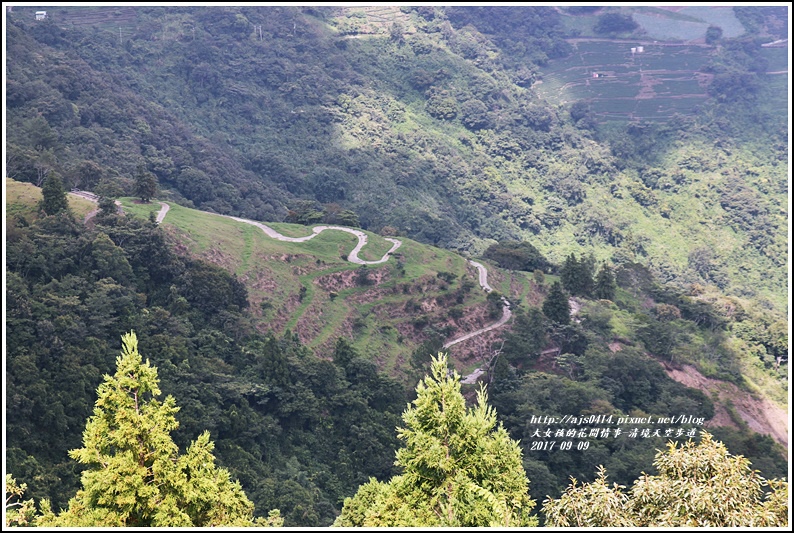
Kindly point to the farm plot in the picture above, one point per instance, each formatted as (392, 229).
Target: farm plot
(777, 58)
(372, 20)
(677, 87)
(776, 94)
(654, 84)
(688, 24)
(105, 18)
(685, 58)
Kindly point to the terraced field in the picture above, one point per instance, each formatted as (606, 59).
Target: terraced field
(372, 20)
(311, 288)
(654, 84)
(106, 18)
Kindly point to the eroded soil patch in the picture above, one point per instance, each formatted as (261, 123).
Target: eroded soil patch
(760, 414)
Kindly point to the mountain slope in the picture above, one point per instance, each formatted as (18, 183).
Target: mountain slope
(434, 133)
(312, 289)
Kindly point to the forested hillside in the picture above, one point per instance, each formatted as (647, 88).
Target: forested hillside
(628, 250)
(437, 133)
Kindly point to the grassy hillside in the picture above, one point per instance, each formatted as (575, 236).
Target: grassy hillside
(308, 287)
(22, 200)
(231, 379)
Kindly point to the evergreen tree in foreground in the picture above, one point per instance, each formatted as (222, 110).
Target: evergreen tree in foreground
(698, 485)
(459, 469)
(136, 476)
(18, 513)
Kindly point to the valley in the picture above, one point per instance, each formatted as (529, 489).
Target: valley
(296, 214)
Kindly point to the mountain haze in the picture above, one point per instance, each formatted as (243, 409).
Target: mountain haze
(630, 207)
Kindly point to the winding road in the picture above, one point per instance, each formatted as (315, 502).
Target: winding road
(506, 313)
(353, 258)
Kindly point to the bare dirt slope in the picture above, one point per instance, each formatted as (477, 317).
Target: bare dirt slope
(761, 415)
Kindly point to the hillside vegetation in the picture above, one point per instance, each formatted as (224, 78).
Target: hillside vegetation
(311, 289)
(636, 237)
(436, 133)
(197, 324)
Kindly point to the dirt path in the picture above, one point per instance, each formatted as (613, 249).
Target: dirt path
(760, 414)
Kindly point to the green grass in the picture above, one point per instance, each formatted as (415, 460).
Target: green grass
(667, 29)
(613, 94)
(666, 13)
(22, 199)
(777, 58)
(580, 25)
(131, 205)
(717, 16)
(290, 230)
(275, 271)
(687, 24)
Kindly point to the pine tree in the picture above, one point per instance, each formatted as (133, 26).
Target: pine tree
(53, 195)
(569, 274)
(605, 284)
(586, 273)
(528, 337)
(136, 476)
(577, 275)
(698, 485)
(555, 306)
(459, 470)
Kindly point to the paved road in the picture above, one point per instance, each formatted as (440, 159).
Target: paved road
(483, 273)
(164, 207)
(506, 313)
(352, 256)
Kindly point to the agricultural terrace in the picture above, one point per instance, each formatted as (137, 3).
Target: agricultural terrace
(652, 84)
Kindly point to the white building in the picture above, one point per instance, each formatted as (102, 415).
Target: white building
(41, 15)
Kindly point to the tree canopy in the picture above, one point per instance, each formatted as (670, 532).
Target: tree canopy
(136, 476)
(555, 306)
(459, 469)
(53, 195)
(145, 185)
(698, 485)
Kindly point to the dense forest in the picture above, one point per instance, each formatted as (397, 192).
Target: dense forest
(423, 122)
